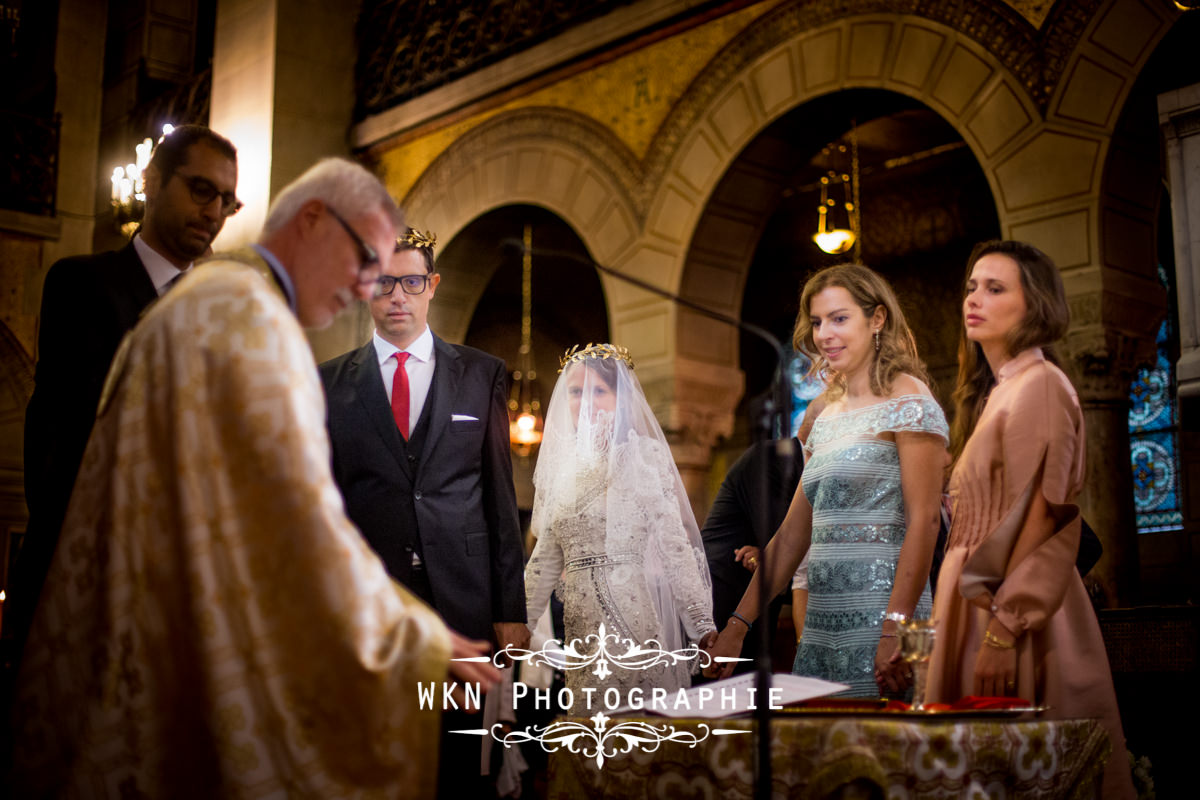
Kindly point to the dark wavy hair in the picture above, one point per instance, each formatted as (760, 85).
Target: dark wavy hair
(897, 347)
(175, 148)
(1046, 320)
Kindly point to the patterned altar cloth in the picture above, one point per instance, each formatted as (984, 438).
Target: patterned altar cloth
(815, 756)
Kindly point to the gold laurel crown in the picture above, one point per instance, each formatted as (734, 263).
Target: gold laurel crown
(601, 351)
(415, 238)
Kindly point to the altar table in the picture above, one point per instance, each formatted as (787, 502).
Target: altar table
(816, 756)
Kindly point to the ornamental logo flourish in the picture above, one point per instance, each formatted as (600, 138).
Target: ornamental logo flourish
(637, 655)
(600, 743)
(602, 652)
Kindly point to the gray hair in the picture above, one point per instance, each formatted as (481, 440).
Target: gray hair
(346, 187)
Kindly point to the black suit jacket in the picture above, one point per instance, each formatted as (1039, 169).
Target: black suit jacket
(88, 304)
(736, 519)
(460, 487)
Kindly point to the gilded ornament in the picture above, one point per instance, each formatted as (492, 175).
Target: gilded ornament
(601, 351)
(415, 238)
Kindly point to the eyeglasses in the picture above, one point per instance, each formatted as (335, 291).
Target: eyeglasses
(366, 254)
(204, 192)
(409, 284)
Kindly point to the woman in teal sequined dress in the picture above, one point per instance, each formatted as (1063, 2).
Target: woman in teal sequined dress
(852, 482)
(868, 503)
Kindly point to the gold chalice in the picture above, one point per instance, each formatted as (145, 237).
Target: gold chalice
(916, 645)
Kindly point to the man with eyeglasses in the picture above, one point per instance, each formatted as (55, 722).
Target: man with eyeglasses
(419, 429)
(212, 624)
(88, 304)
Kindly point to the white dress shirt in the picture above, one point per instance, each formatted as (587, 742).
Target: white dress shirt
(419, 368)
(161, 271)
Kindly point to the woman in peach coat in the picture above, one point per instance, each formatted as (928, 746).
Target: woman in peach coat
(1012, 615)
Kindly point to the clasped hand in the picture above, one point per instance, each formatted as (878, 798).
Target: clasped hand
(514, 634)
(510, 634)
(480, 672)
(728, 644)
(747, 556)
(995, 672)
(892, 674)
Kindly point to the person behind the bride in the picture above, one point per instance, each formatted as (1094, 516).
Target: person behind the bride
(613, 522)
(869, 496)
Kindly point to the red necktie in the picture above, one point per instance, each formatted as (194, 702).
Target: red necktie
(400, 394)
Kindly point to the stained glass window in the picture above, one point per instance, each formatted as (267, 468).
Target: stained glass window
(805, 389)
(1153, 426)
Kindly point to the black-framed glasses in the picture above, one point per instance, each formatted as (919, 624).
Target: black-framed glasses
(409, 284)
(367, 256)
(204, 192)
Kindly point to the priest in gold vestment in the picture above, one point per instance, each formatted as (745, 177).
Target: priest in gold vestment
(213, 625)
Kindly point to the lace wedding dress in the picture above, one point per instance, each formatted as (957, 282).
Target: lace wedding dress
(616, 535)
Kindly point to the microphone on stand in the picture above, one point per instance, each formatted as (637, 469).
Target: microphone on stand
(776, 416)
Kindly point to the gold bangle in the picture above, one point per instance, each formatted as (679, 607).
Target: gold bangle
(991, 639)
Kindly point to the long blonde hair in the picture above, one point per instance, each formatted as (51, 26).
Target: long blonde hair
(1046, 320)
(897, 352)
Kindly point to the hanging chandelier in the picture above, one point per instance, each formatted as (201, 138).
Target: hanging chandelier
(829, 237)
(525, 420)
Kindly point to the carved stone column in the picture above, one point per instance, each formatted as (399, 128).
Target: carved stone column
(1102, 366)
(1179, 116)
(270, 60)
(695, 402)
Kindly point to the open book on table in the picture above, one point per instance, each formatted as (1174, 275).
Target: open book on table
(730, 697)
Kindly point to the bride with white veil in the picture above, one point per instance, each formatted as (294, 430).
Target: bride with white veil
(612, 521)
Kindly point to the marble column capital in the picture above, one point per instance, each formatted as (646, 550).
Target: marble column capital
(694, 401)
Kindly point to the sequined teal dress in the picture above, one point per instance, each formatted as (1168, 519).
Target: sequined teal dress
(852, 481)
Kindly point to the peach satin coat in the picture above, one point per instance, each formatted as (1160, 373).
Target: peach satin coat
(1002, 559)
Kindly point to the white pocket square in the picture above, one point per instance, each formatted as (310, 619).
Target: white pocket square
(463, 418)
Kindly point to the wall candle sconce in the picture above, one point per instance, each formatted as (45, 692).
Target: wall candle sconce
(129, 187)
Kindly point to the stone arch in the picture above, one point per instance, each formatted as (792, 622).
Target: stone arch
(1036, 106)
(1041, 139)
(556, 159)
(945, 69)
(1044, 170)
(1105, 244)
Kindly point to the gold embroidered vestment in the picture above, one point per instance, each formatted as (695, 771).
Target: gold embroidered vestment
(213, 625)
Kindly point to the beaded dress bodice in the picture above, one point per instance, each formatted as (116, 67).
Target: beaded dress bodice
(852, 481)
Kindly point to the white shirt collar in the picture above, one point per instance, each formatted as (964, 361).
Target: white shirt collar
(421, 348)
(161, 271)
